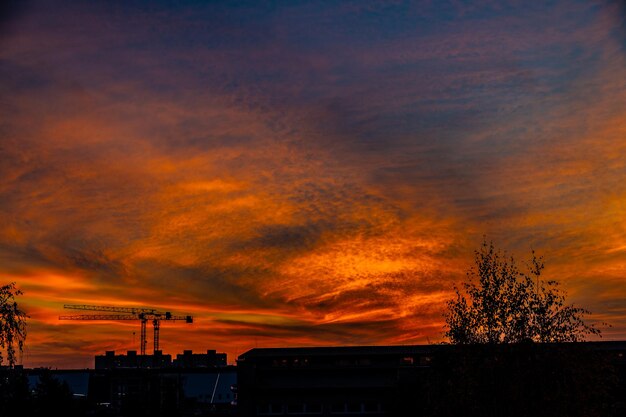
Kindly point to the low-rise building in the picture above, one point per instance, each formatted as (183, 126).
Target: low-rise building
(210, 359)
(435, 380)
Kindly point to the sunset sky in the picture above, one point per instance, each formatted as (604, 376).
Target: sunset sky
(303, 172)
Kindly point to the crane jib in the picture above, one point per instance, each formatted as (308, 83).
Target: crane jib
(129, 313)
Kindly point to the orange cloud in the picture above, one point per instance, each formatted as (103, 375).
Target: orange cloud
(314, 181)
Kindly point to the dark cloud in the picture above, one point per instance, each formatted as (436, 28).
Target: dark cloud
(11, 11)
(231, 286)
(383, 291)
(288, 238)
(357, 332)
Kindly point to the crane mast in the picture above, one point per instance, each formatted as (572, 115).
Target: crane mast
(130, 313)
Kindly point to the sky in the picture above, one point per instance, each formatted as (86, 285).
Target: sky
(303, 173)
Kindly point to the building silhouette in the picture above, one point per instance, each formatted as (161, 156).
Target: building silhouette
(567, 379)
(527, 379)
(187, 359)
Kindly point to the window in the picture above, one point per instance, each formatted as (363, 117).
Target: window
(300, 362)
(425, 360)
(280, 362)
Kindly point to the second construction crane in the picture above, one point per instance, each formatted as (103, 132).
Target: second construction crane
(129, 313)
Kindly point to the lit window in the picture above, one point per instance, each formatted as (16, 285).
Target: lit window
(407, 360)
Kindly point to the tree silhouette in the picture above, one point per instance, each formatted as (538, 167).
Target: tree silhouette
(502, 304)
(12, 323)
(15, 396)
(52, 396)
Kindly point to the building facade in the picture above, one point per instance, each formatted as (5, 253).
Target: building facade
(573, 379)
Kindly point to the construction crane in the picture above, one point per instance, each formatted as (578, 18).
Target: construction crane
(130, 313)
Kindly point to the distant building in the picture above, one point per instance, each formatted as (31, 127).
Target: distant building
(186, 360)
(149, 385)
(210, 359)
(165, 391)
(132, 360)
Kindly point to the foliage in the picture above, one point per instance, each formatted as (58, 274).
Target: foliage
(12, 323)
(15, 396)
(52, 396)
(507, 305)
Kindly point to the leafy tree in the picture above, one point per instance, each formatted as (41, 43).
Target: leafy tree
(52, 396)
(12, 323)
(15, 396)
(502, 304)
